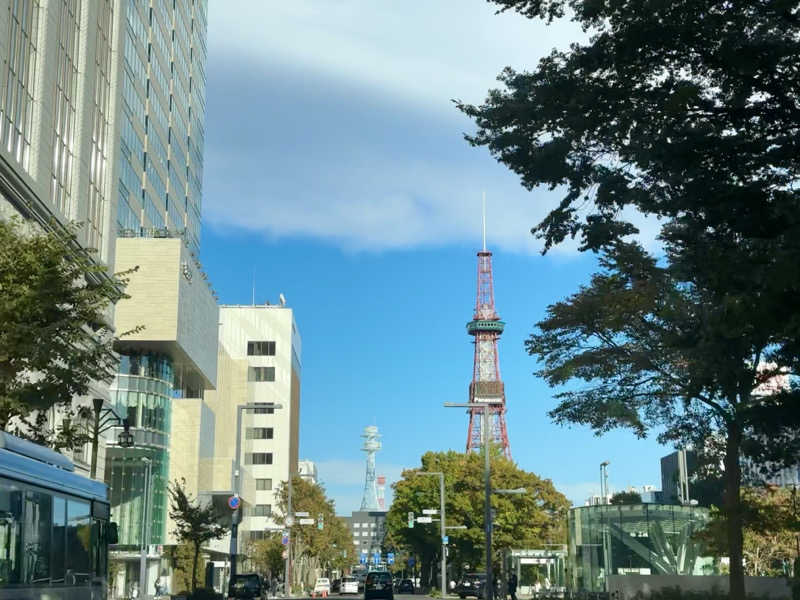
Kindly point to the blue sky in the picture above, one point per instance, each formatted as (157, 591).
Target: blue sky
(335, 167)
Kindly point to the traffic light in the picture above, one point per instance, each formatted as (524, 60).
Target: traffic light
(410, 520)
(320, 522)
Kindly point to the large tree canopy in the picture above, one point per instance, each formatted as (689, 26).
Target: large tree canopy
(678, 108)
(529, 520)
(57, 335)
(686, 110)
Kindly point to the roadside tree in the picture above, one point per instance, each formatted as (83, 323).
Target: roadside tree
(56, 336)
(312, 548)
(195, 523)
(684, 111)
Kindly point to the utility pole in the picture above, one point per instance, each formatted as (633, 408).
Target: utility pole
(484, 406)
(147, 489)
(287, 572)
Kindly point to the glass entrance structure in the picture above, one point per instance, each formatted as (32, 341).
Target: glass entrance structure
(141, 392)
(642, 539)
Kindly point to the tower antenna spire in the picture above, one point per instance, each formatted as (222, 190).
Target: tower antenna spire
(487, 385)
(484, 221)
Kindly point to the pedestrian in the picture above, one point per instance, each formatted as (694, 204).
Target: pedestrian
(266, 587)
(512, 586)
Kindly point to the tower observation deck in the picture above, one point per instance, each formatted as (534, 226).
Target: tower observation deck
(486, 385)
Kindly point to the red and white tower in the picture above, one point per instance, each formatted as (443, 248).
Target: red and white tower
(486, 385)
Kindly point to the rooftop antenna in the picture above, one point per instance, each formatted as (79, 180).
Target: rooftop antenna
(484, 221)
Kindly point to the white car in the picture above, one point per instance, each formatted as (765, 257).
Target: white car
(323, 584)
(349, 585)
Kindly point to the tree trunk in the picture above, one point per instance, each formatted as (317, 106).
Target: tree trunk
(194, 566)
(733, 508)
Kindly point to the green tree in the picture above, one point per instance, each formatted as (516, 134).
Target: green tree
(626, 498)
(183, 561)
(683, 110)
(57, 337)
(328, 548)
(771, 530)
(267, 554)
(529, 520)
(195, 523)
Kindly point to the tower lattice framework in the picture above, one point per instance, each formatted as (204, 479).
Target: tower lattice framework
(369, 501)
(486, 385)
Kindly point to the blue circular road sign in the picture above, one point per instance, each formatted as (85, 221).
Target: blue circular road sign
(234, 502)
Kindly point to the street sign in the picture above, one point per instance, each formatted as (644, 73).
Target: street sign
(234, 502)
(430, 511)
(306, 521)
(390, 558)
(285, 538)
(424, 520)
(301, 514)
(445, 540)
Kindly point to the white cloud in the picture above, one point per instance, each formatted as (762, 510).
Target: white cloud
(341, 126)
(423, 51)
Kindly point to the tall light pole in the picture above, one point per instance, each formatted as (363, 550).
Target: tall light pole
(287, 571)
(604, 481)
(440, 475)
(147, 489)
(236, 517)
(484, 406)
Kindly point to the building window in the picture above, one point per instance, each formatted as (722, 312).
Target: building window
(263, 485)
(260, 348)
(258, 458)
(258, 433)
(261, 374)
(356, 525)
(264, 411)
(262, 510)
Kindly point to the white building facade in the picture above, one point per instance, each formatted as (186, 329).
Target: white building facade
(260, 361)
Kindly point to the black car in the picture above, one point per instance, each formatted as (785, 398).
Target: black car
(472, 584)
(406, 586)
(247, 585)
(378, 584)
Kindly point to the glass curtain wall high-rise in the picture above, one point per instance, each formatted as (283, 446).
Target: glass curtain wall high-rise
(163, 110)
(642, 539)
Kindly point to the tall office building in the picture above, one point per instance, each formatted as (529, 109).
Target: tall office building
(57, 83)
(56, 101)
(259, 361)
(160, 118)
(157, 137)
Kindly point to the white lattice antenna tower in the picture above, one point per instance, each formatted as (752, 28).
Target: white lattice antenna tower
(371, 446)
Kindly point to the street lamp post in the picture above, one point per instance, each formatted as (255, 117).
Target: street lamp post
(440, 475)
(147, 489)
(484, 407)
(236, 517)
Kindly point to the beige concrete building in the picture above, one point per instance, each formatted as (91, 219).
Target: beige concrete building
(259, 361)
(169, 363)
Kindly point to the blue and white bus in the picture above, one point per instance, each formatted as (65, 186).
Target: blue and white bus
(54, 526)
